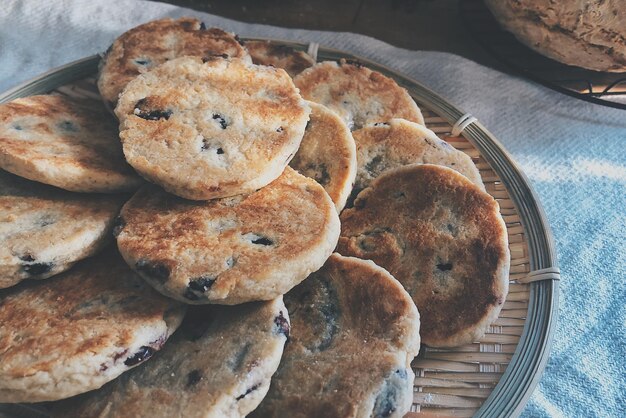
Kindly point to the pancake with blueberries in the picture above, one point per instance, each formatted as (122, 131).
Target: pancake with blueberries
(385, 145)
(328, 154)
(210, 128)
(45, 230)
(356, 93)
(146, 46)
(68, 143)
(354, 333)
(79, 330)
(218, 364)
(443, 238)
(231, 250)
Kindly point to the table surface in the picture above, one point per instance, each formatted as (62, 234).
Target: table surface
(427, 25)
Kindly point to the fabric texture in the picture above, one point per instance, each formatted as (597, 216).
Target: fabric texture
(573, 152)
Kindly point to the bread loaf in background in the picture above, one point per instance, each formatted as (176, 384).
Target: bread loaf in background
(585, 33)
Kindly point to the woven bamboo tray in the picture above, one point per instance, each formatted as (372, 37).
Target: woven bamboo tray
(491, 377)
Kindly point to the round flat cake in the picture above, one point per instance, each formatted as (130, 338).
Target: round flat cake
(68, 143)
(204, 129)
(354, 333)
(231, 250)
(146, 46)
(45, 230)
(357, 94)
(443, 238)
(386, 145)
(77, 331)
(218, 364)
(328, 154)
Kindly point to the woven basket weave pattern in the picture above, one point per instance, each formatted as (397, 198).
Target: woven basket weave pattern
(449, 382)
(456, 382)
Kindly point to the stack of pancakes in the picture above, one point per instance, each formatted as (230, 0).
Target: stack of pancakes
(278, 225)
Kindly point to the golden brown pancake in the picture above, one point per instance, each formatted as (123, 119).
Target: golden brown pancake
(75, 332)
(327, 154)
(205, 129)
(357, 94)
(443, 238)
(218, 364)
(354, 333)
(68, 143)
(45, 230)
(386, 145)
(231, 250)
(146, 46)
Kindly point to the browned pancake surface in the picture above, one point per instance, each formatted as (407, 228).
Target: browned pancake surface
(69, 143)
(218, 364)
(387, 145)
(327, 154)
(146, 46)
(79, 330)
(232, 250)
(356, 93)
(45, 230)
(443, 239)
(354, 333)
(205, 129)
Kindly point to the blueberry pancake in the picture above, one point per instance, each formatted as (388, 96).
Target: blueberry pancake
(146, 46)
(231, 250)
(68, 143)
(279, 55)
(443, 238)
(327, 154)
(356, 93)
(398, 142)
(218, 364)
(354, 333)
(45, 230)
(77, 331)
(211, 128)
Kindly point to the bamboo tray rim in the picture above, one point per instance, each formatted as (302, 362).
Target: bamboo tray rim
(524, 371)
